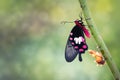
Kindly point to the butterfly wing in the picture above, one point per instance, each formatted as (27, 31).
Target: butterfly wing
(76, 44)
(70, 52)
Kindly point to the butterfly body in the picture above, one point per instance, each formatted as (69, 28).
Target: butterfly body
(76, 44)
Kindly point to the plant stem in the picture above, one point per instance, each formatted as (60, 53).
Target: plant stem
(104, 50)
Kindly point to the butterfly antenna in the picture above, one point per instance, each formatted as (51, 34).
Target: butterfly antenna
(64, 22)
(80, 15)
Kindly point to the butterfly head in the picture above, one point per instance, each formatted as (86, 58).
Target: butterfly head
(78, 22)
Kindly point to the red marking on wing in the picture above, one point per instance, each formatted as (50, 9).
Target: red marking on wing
(76, 47)
(86, 32)
(84, 46)
(81, 50)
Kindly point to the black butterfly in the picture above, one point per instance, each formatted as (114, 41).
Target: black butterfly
(76, 43)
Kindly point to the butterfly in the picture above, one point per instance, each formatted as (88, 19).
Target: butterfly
(76, 43)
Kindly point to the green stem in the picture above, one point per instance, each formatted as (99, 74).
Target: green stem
(104, 50)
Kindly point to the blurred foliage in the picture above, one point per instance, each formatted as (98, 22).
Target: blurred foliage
(32, 40)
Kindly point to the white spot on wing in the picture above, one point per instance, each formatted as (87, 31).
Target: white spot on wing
(78, 40)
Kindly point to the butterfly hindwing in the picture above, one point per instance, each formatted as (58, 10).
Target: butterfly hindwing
(76, 44)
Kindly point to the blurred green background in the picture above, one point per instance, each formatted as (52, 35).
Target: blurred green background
(32, 39)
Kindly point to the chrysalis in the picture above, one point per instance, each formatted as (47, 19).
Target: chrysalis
(98, 57)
